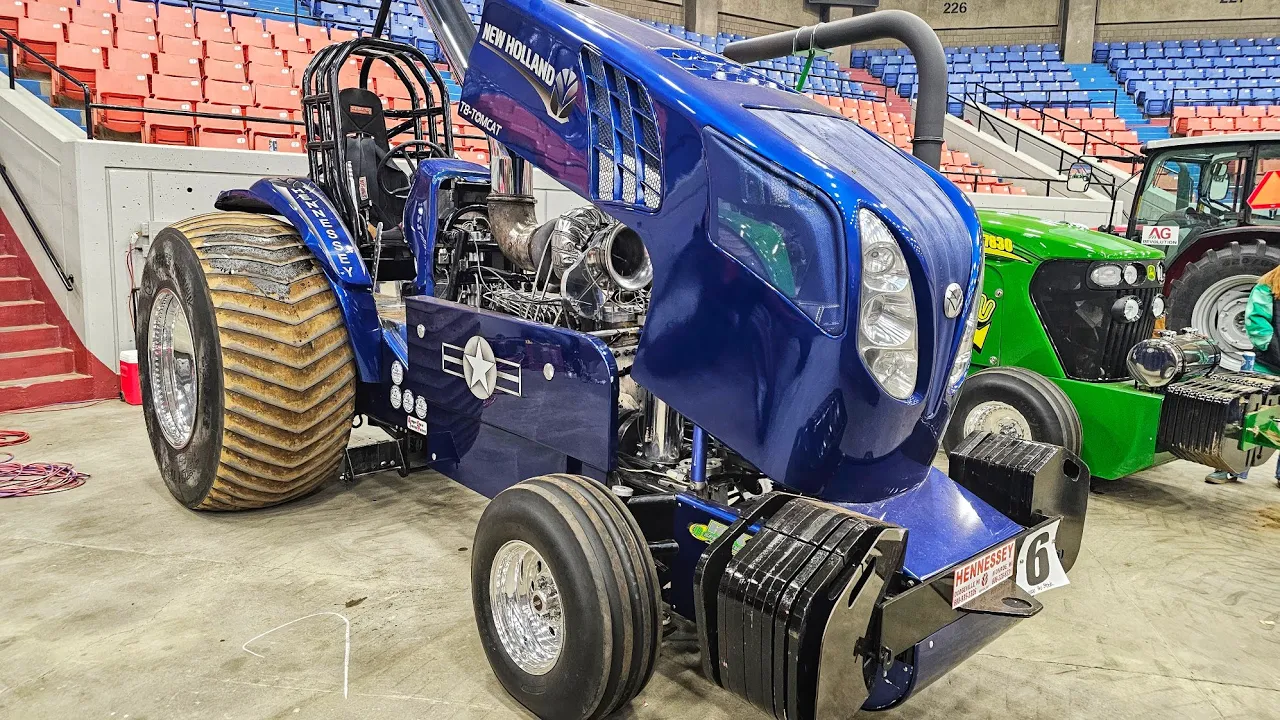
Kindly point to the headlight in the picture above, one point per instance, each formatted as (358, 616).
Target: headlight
(1157, 306)
(1127, 309)
(964, 353)
(887, 324)
(1130, 274)
(1105, 275)
(1160, 271)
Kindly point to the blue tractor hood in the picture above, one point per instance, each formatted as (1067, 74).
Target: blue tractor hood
(747, 195)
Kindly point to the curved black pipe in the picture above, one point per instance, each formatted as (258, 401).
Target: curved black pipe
(910, 30)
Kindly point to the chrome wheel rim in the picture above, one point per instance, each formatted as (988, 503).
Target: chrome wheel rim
(997, 417)
(525, 604)
(1219, 313)
(174, 388)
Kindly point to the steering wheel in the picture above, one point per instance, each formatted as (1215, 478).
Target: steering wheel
(412, 151)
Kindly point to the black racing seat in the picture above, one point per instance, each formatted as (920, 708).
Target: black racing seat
(364, 130)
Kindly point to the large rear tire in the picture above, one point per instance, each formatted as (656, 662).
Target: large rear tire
(248, 378)
(1212, 293)
(566, 597)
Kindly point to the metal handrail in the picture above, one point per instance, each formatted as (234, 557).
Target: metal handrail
(1126, 156)
(68, 280)
(1107, 182)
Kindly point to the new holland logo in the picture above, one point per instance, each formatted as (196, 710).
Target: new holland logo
(483, 373)
(558, 89)
(952, 300)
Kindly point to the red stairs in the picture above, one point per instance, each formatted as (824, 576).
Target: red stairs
(42, 362)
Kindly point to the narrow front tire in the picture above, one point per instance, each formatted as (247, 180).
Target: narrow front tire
(566, 597)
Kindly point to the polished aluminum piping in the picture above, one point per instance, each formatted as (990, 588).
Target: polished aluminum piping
(449, 22)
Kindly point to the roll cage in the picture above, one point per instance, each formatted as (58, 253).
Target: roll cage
(426, 117)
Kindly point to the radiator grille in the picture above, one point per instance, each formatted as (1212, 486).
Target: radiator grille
(1090, 343)
(626, 160)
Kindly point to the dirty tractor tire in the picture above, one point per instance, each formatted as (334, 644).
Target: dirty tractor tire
(1212, 293)
(248, 378)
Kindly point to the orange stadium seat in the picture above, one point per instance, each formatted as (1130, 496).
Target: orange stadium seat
(224, 52)
(165, 87)
(176, 65)
(166, 129)
(43, 38)
(81, 62)
(117, 87)
(275, 75)
(229, 141)
(87, 18)
(265, 57)
(49, 12)
(273, 144)
(228, 93)
(209, 124)
(131, 61)
(145, 24)
(106, 6)
(276, 97)
(258, 38)
(230, 72)
(140, 42)
(99, 37)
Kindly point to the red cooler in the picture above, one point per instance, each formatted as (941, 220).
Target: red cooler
(130, 385)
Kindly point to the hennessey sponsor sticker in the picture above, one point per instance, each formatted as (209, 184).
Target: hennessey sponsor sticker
(982, 573)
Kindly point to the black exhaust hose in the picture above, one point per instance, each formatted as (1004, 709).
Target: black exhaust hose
(909, 29)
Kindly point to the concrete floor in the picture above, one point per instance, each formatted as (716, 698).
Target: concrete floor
(118, 603)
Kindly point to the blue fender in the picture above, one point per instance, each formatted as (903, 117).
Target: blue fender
(306, 207)
(422, 211)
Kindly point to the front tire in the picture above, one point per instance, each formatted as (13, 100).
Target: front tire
(248, 378)
(566, 597)
(1017, 402)
(1212, 293)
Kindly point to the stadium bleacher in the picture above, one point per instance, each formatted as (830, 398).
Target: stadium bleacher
(241, 62)
(998, 75)
(1164, 76)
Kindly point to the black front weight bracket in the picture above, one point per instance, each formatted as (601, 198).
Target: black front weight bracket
(785, 615)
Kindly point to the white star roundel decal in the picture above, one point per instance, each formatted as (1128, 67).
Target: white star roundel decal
(476, 364)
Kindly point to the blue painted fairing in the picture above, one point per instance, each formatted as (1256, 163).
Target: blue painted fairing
(945, 523)
(422, 212)
(935, 656)
(721, 345)
(304, 205)
(573, 413)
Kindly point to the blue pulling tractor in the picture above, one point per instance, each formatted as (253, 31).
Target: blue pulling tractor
(712, 394)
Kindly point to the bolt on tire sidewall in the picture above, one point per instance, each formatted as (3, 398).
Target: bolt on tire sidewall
(172, 264)
(574, 686)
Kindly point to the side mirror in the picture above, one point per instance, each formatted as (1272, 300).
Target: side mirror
(1079, 177)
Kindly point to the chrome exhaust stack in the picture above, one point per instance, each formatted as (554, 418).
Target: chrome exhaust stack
(511, 204)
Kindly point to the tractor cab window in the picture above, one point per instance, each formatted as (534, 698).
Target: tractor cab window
(1268, 161)
(1194, 188)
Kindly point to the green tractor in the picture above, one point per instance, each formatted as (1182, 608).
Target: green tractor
(1064, 353)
